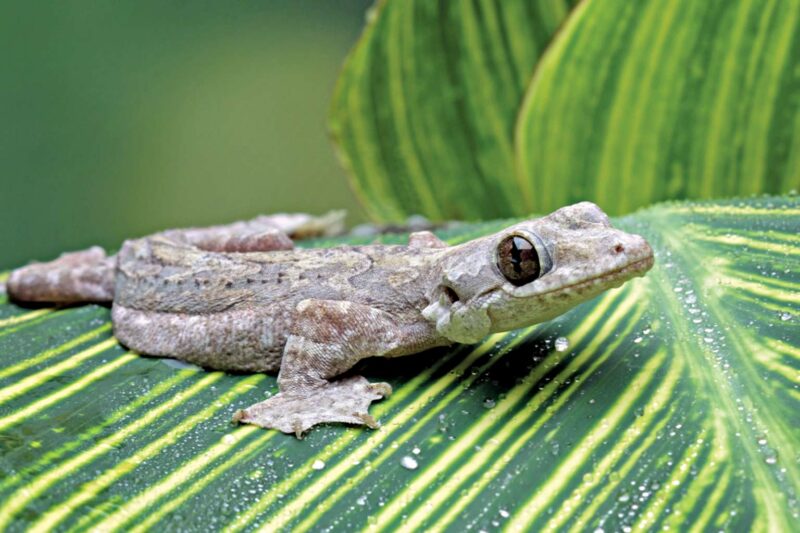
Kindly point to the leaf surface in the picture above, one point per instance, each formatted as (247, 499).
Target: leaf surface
(424, 110)
(674, 400)
(473, 109)
(637, 102)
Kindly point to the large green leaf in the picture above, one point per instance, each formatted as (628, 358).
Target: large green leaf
(642, 101)
(424, 110)
(676, 402)
(633, 102)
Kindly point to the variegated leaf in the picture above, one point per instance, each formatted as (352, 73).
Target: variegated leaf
(671, 402)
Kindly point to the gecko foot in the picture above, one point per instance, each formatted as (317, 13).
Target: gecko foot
(295, 411)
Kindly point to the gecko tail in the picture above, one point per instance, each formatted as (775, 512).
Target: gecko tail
(76, 277)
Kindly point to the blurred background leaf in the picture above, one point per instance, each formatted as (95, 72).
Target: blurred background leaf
(641, 101)
(670, 401)
(124, 118)
(424, 111)
(634, 102)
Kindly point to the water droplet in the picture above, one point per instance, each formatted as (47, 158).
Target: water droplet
(786, 316)
(409, 463)
(228, 439)
(504, 513)
(415, 451)
(637, 340)
(771, 460)
(488, 403)
(362, 500)
(624, 497)
(562, 344)
(318, 465)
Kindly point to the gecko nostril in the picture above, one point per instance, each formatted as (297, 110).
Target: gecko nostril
(618, 248)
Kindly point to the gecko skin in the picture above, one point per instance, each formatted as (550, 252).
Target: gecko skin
(241, 298)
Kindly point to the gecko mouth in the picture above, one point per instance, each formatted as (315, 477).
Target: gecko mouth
(622, 274)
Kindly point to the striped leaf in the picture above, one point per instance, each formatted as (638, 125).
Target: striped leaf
(632, 103)
(642, 101)
(424, 110)
(672, 401)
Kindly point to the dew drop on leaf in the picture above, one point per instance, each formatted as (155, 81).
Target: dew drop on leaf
(562, 344)
(409, 463)
(318, 465)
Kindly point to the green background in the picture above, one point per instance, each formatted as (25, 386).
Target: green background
(123, 118)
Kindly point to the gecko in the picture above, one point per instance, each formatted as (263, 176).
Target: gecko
(242, 298)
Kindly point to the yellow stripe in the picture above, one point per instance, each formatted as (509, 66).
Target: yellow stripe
(479, 427)
(783, 348)
(772, 361)
(771, 234)
(763, 85)
(718, 457)
(766, 280)
(24, 317)
(295, 508)
(90, 489)
(743, 210)
(153, 516)
(711, 505)
(397, 34)
(22, 475)
(729, 239)
(64, 392)
(157, 492)
(544, 495)
(792, 297)
(334, 474)
(632, 109)
(600, 474)
(721, 120)
(40, 378)
(36, 359)
(679, 474)
(766, 306)
(589, 510)
(4, 276)
(35, 487)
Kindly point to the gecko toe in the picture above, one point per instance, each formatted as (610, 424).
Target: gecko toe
(383, 389)
(368, 420)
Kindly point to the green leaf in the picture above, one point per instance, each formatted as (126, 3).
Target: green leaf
(676, 402)
(636, 102)
(424, 110)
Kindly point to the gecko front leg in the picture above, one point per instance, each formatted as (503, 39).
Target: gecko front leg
(328, 338)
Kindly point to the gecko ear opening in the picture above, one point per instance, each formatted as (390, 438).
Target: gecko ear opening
(450, 294)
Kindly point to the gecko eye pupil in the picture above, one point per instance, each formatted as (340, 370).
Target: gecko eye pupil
(518, 260)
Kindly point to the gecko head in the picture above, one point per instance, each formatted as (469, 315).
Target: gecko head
(533, 271)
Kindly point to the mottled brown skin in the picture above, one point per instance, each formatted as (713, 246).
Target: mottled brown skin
(240, 298)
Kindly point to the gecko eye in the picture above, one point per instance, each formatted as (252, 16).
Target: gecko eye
(518, 260)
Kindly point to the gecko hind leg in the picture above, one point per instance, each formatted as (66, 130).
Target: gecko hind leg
(346, 400)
